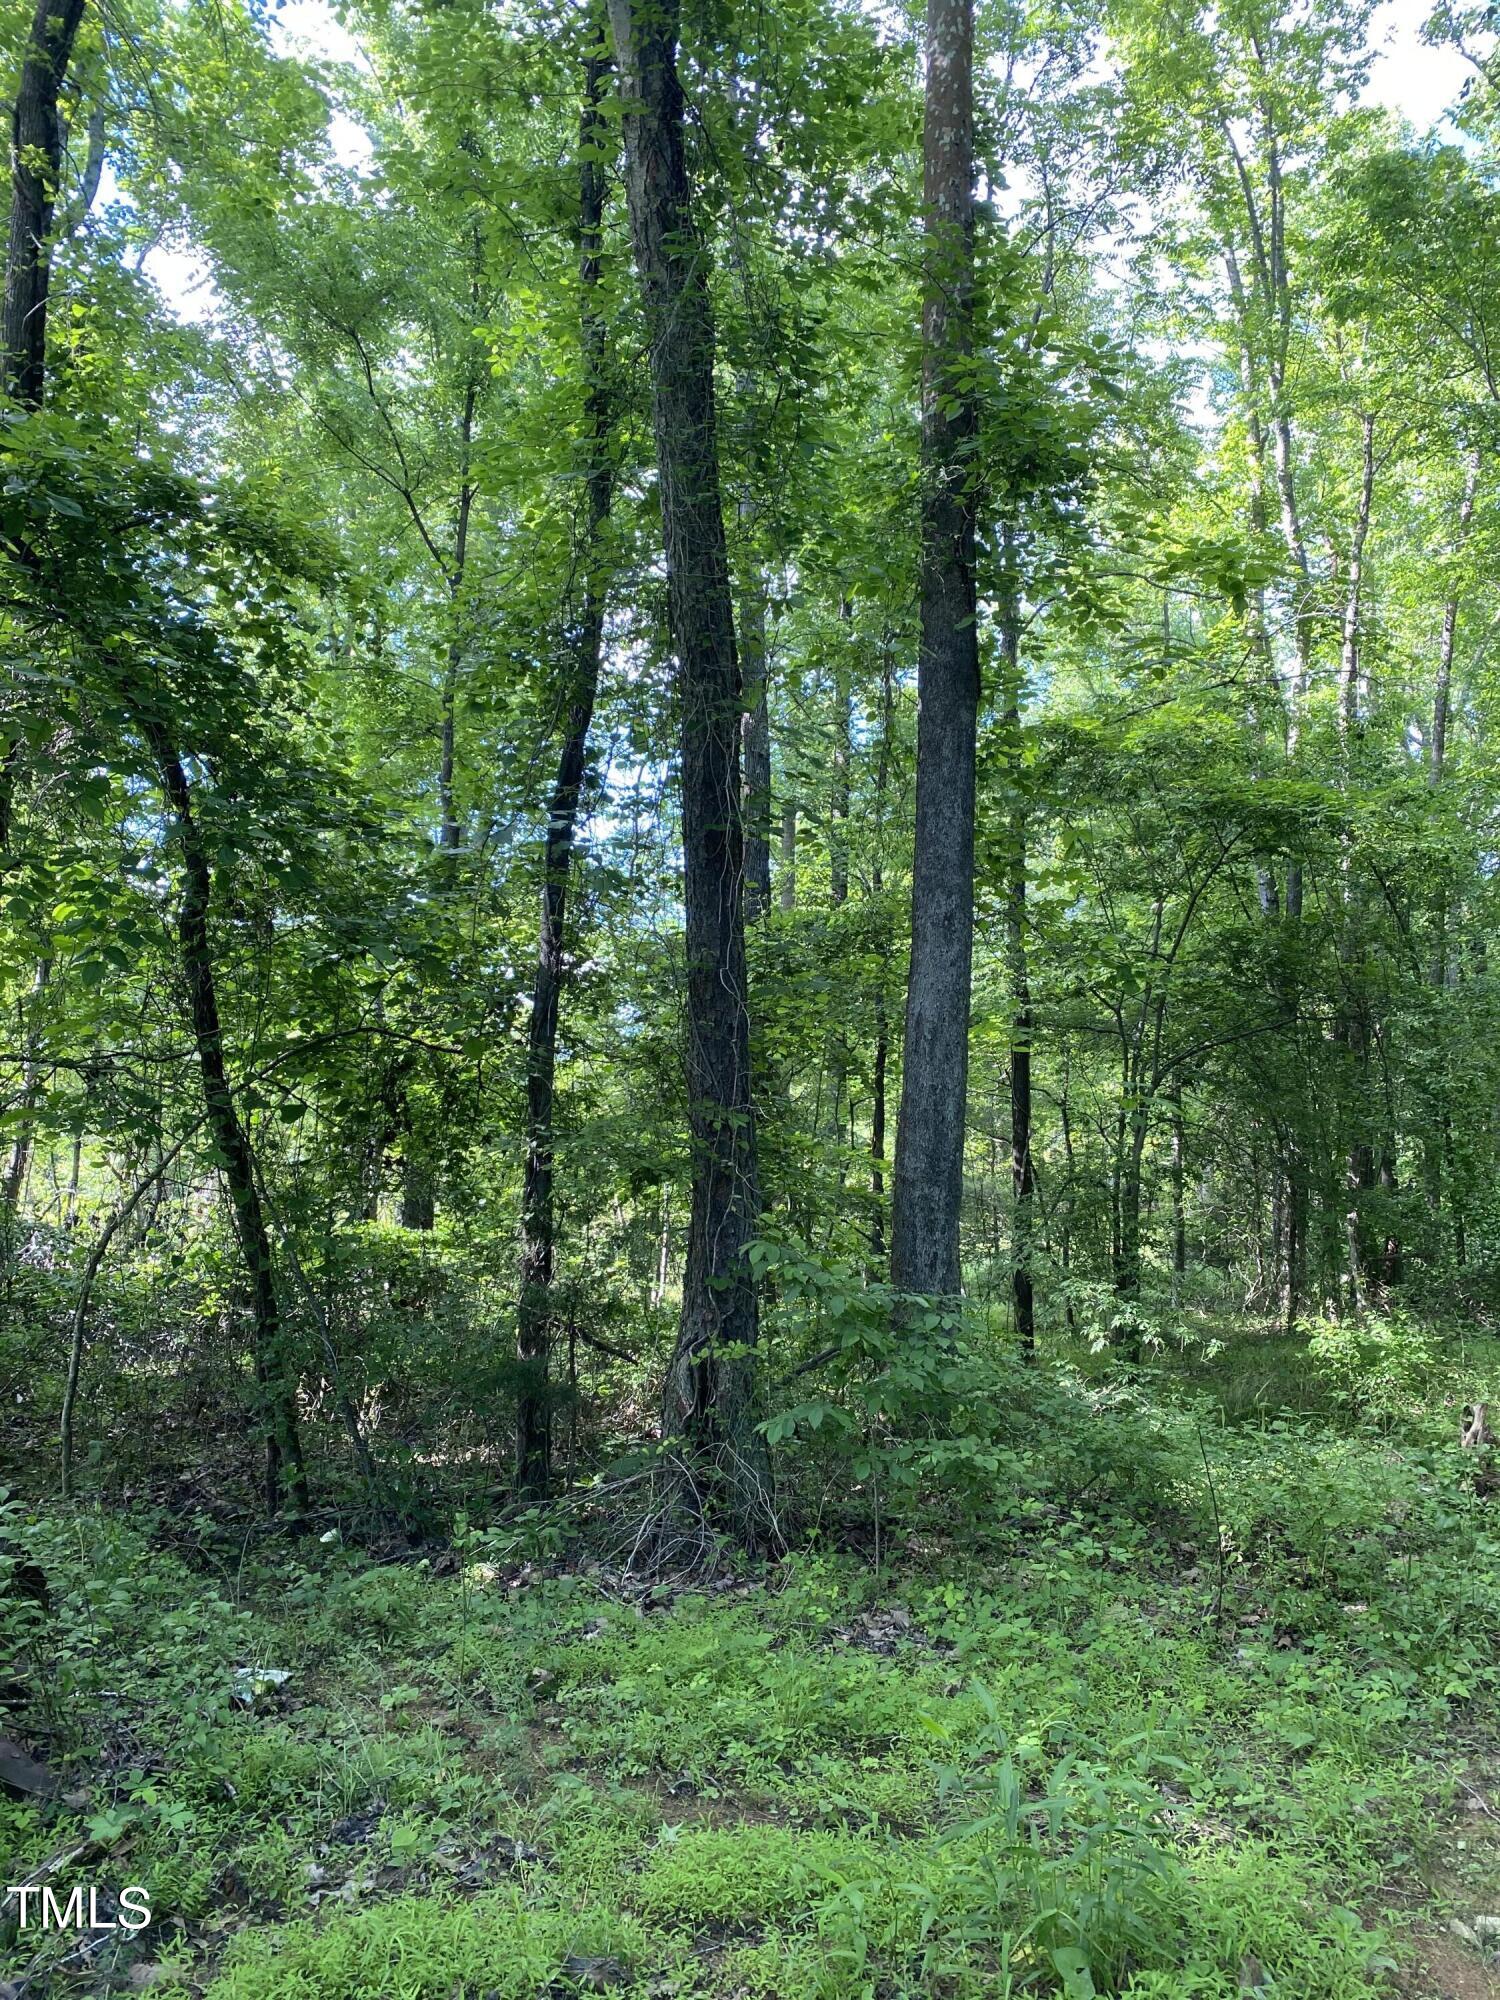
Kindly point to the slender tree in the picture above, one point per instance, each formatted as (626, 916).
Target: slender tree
(585, 649)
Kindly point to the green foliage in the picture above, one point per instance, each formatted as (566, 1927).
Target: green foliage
(1375, 1366)
(1198, 1712)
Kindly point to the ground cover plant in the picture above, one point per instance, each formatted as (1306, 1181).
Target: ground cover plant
(749, 1162)
(1218, 1720)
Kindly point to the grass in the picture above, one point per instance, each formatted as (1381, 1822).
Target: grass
(1196, 1709)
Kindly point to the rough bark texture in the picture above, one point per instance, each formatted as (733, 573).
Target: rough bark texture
(35, 168)
(283, 1450)
(538, 1225)
(928, 1179)
(708, 1399)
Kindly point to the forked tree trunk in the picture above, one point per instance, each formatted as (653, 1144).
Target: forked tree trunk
(538, 1224)
(928, 1180)
(708, 1400)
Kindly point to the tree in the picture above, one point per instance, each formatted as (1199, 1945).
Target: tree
(709, 1394)
(585, 643)
(928, 1178)
(36, 158)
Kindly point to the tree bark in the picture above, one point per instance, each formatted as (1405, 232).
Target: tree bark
(418, 1191)
(1179, 1205)
(538, 1224)
(839, 804)
(35, 168)
(1349, 712)
(928, 1179)
(1442, 693)
(756, 732)
(1438, 1147)
(277, 1415)
(1022, 1171)
(755, 729)
(709, 1396)
(449, 830)
(882, 1010)
(788, 896)
(31, 1094)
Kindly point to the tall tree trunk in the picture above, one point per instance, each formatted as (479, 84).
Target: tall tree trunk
(36, 153)
(1179, 1204)
(35, 168)
(449, 831)
(709, 1395)
(1360, 1174)
(755, 731)
(928, 1190)
(278, 1417)
(1271, 330)
(31, 1093)
(1438, 1147)
(1442, 694)
(789, 855)
(843, 757)
(757, 787)
(418, 1191)
(882, 1010)
(1022, 1172)
(1127, 1271)
(1349, 711)
(534, 1317)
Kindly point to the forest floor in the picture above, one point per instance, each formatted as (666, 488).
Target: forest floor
(1168, 1731)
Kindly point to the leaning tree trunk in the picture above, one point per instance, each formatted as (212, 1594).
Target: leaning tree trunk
(534, 1319)
(283, 1448)
(708, 1400)
(35, 167)
(928, 1180)
(36, 154)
